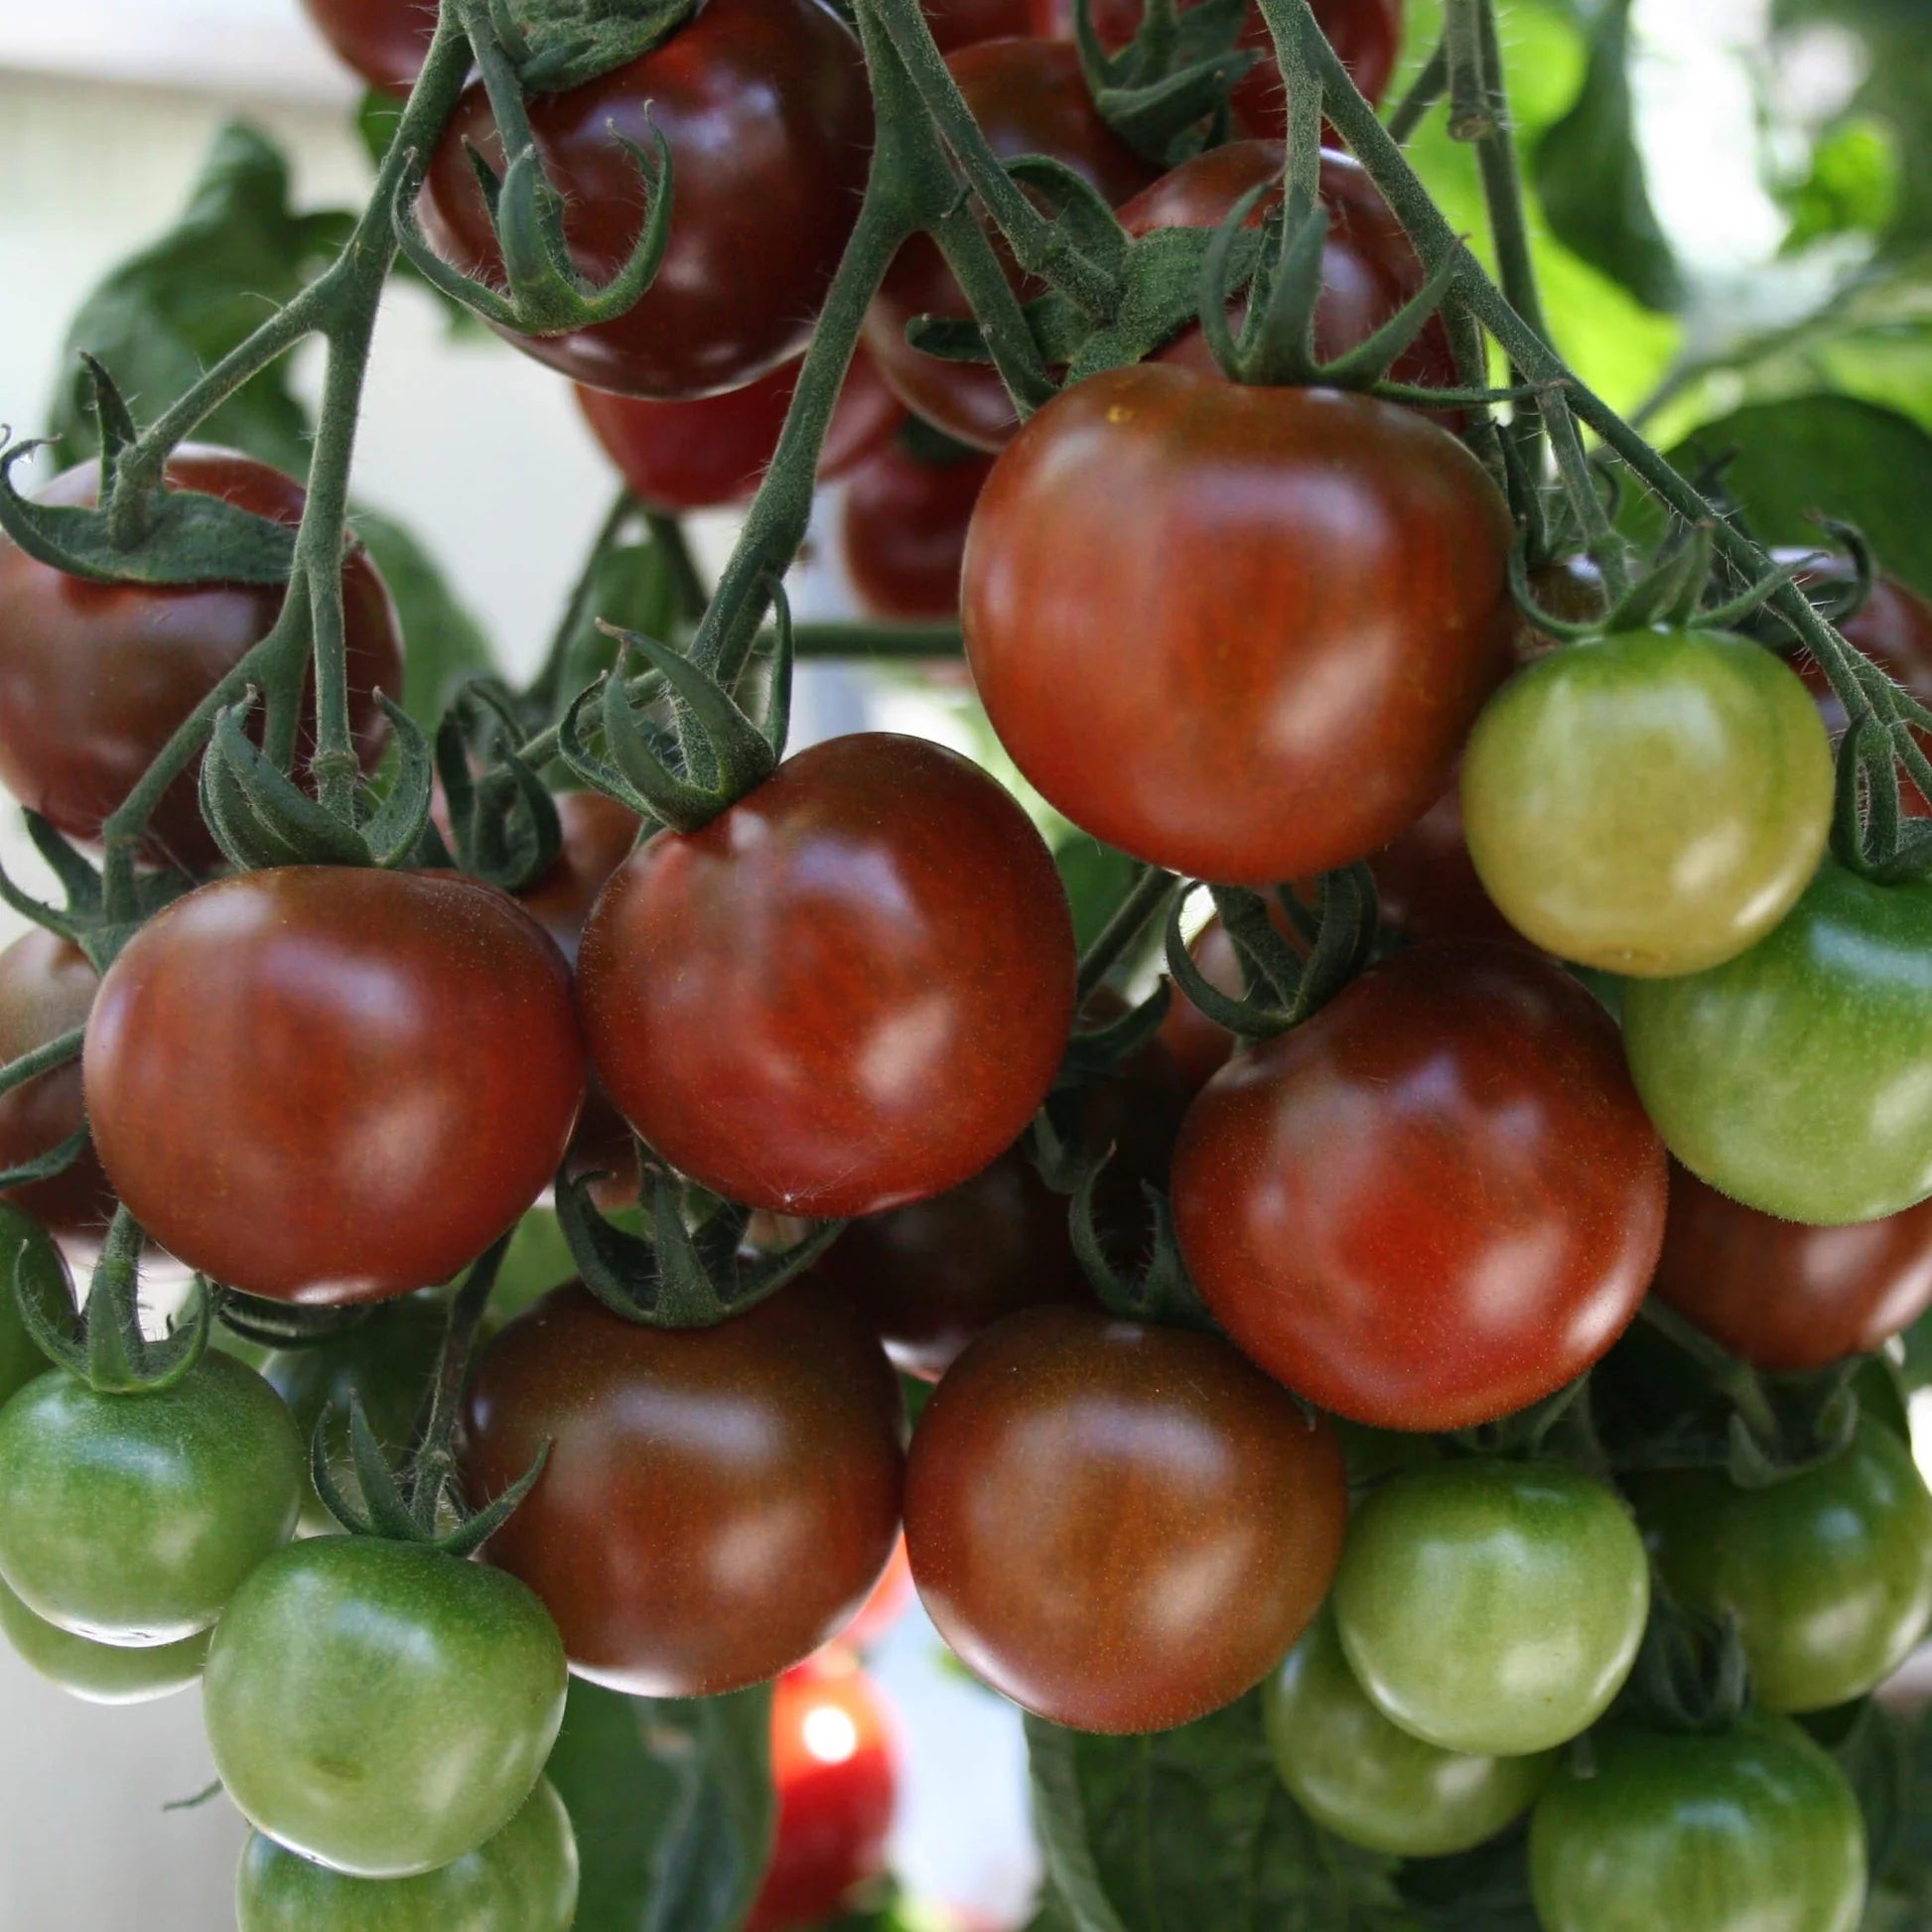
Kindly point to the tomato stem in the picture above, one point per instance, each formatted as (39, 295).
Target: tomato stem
(1424, 93)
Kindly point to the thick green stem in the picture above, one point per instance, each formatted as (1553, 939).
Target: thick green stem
(1502, 181)
(43, 1060)
(1472, 110)
(1303, 180)
(976, 267)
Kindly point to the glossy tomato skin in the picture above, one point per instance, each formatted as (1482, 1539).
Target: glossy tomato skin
(836, 1771)
(1649, 805)
(333, 1085)
(1751, 1829)
(1436, 1203)
(523, 1879)
(1120, 1528)
(384, 41)
(1427, 886)
(964, 23)
(1492, 1607)
(679, 457)
(1827, 1575)
(903, 533)
(850, 991)
(47, 988)
(381, 1708)
(100, 1673)
(598, 837)
(1337, 546)
(130, 1519)
(1029, 98)
(1369, 1781)
(96, 677)
(1787, 1298)
(717, 1503)
(1367, 34)
(1787, 1078)
(766, 109)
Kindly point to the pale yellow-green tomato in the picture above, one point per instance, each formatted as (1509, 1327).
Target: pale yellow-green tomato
(100, 1673)
(1652, 804)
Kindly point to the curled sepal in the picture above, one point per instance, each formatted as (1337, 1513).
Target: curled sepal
(45, 1166)
(391, 828)
(1691, 1673)
(1166, 93)
(58, 1051)
(1546, 624)
(284, 1325)
(561, 44)
(1092, 1054)
(1671, 590)
(83, 922)
(114, 425)
(1815, 1418)
(1077, 206)
(1160, 1291)
(677, 1275)
(1527, 1433)
(1162, 284)
(187, 538)
(504, 821)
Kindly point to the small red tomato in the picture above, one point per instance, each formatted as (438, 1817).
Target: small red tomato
(1425, 881)
(384, 41)
(766, 109)
(903, 532)
(95, 678)
(890, 1598)
(1030, 97)
(1433, 1203)
(836, 1772)
(48, 988)
(331, 1085)
(599, 835)
(680, 456)
(716, 1504)
(850, 991)
(1297, 693)
(1121, 1528)
(1786, 1298)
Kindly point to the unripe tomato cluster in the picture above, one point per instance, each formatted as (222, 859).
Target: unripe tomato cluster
(1249, 634)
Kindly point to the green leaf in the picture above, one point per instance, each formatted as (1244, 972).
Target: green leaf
(1852, 188)
(672, 1806)
(1589, 172)
(160, 318)
(1097, 881)
(1192, 1828)
(630, 586)
(443, 643)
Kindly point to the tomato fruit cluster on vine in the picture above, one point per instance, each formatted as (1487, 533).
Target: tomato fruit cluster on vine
(1282, 1328)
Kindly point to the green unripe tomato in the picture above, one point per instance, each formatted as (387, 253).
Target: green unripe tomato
(1752, 1829)
(1368, 1780)
(100, 1673)
(1652, 804)
(381, 1708)
(524, 1880)
(1793, 1079)
(1828, 1574)
(1493, 1609)
(132, 1518)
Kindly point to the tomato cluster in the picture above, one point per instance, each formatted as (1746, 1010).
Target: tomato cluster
(1258, 636)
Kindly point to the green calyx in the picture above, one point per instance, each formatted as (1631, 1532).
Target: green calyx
(1691, 1675)
(84, 921)
(503, 823)
(1158, 1291)
(1166, 93)
(558, 45)
(284, 1325)
(682, 1273)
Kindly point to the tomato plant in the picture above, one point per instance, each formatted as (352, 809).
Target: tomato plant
(1652, 804)
(1371, 1782)
(420, 1015)
(525, 1877)
(1747, 1830)
(837, 1778)
(1784, 1077)
(1029, 98)
(903, 532)
(1082, 643)
(1192, 1512)
(1436, 1203)
(1788, 1298)
(1827, 1575)
(381, 1708)
(94, 678)
(716, 1503)
(1492, 1607)
(764, 106)
(100, 1673)
(850, 991)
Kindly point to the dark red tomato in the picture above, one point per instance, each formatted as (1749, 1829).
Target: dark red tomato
(48, 988)
(1369, 267)
(769, 118)
(384, 41)
(328, 1086)
(716, 1503)
(1425, 881)
(1893, 630)
(1120, 1528)
(836, 1772)
(1196, 1049)
(1296, 692)
(697, 456)
(1786, 1298)
(1436, 1203)
(599, 834)
(95, 678)
(1367, 34)
(850, 991)
(961, 23)
(1029, 98)
(903, 533)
